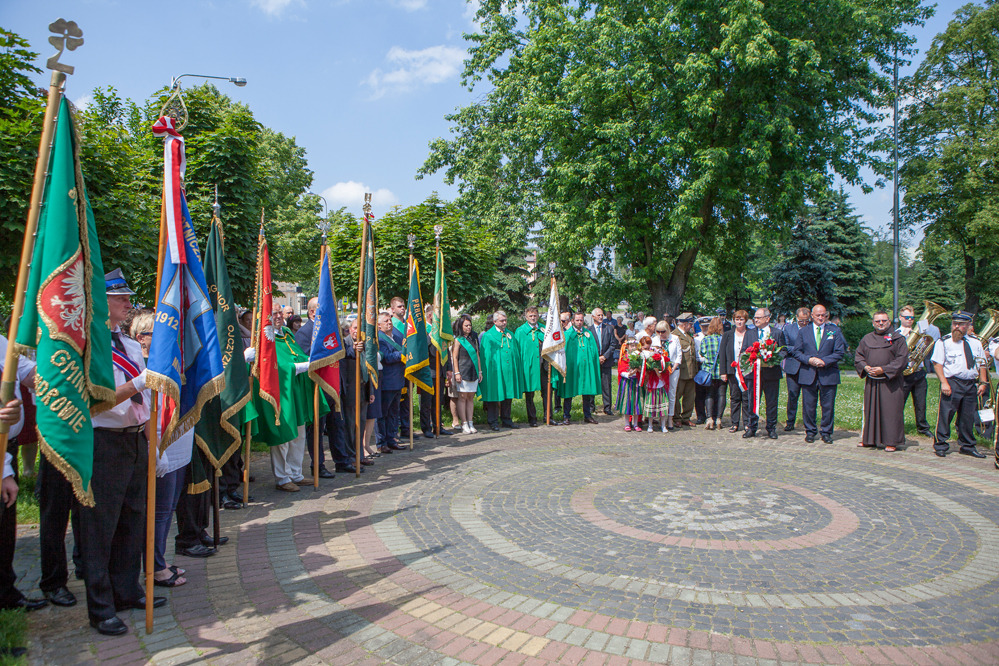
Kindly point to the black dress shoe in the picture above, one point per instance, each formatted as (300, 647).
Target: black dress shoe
(346, 468)
(209, 542)
(609, 412)
(140, 604)
(396, 447)
(974, 453)
(326, 474)
(236, 497)
(197, 551)
(749, 434)
(533, 424)
(406, 436)
(230, 504)
(925, 433)
(511, 425)
(61, 597)
(110, 627)
(384, 450)
(13, 652)
(494, 428)
(28, 604)
(809, 438)
(565, 422)
(734, 428)
(445, 431)
(772, 434)
(590, 419)
(827, 439)
(941, 454)
(789, 427)
(429, 435)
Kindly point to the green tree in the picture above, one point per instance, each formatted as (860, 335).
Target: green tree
(848, 247)
(22, 106)
(805, 275)
(950, 136)
(661, 128)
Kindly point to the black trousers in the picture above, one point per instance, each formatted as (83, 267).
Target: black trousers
(700, 402)
(193, 511)
(589, 404)
(428, 403)
(812, 396)
(963, 403)
(714, 400)
(350, 424)
(915, 385)
(606, 373)
(339, 439)
(532, 412)
(231, 481)
(769, 389)
(326, 428)
(740, 403)
(113, 533)
(55, 503)
(9, 595)
(499, 411)
(793, 392)
(405, 413)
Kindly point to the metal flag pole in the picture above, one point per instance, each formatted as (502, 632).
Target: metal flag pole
(216, 513)
(360, 336)
(548, 411)
(323, 226)
(411, 239)
(438, 228)
(70, 37)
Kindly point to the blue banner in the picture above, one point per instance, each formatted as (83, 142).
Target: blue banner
(185, 362)
(327, 342)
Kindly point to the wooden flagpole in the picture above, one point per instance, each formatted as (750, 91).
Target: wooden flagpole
(412, 240)
(253, 339)
(358, 444)
(30, 229)
(315, 401)
(438, 228)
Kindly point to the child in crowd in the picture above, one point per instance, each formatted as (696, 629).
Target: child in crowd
(628, 399)
(654, 383)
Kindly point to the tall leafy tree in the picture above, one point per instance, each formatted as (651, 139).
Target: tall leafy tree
(804, 275)
(950, 136)
(848, 247)
(661, 127)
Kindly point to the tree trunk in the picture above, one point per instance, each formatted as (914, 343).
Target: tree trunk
(972, 302)
(668, 298)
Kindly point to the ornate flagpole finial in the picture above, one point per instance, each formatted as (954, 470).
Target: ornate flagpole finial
(412, 242)
(367, 204)
(261, 221)
(216, 208)
(69, 37)
(438, 228)
(551, 268)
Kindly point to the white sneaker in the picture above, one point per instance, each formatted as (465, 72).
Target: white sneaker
(465, 429)
(650, 426)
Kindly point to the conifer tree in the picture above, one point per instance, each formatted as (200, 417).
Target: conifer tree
(848, 247)
(804, 275)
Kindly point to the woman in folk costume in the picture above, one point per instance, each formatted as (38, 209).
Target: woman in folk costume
(629, 401)
(654, 383)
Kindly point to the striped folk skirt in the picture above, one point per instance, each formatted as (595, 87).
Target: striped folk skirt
(629, 396)
(655, 401)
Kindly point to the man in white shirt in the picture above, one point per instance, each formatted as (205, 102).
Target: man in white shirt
(959, 362)
(113, 532)
(13, 416)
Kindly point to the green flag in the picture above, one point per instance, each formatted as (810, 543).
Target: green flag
(64, 323)
(367, 309)
(440, 330)
(218, 432)
(417, 347)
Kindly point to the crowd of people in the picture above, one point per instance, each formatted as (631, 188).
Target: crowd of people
(672, 372)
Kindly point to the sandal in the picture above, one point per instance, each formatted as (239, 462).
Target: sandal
(169, 582)
(891, 449)
(177, 570)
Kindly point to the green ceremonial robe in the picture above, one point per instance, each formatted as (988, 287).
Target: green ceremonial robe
(529, 340)
(582, 365)
(296, 396)
(502, 372)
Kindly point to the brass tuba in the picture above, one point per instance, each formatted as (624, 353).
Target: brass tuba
(918, 343)
(990, 329)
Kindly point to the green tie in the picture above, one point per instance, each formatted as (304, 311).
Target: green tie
(818, 337)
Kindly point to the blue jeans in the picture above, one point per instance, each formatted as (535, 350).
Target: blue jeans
(168, 490)
(388, 425)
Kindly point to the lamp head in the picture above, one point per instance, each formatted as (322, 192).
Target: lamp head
(238, 80)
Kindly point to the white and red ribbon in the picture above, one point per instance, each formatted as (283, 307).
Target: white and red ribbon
(739, 375)
(756, 386)
(174, 166)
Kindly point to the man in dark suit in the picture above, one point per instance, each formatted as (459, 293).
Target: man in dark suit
(303, 336)
(391, 380)
(346, 426)
(769, 377)
(791, 365)
(733, 343)
(819, 349)
(603, 333)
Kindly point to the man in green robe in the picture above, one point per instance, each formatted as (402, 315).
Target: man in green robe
(287, 437)
(529, 338)
(502, 372)
(582, 370)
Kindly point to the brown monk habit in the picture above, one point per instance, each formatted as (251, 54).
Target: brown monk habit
(884, 419)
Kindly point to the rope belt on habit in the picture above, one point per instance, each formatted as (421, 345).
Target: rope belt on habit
(136, 428)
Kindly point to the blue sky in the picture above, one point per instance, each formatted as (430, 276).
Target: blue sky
(363, 85)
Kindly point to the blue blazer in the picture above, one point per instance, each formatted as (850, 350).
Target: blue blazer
(393, 375)
(831, 350)
(791, 364)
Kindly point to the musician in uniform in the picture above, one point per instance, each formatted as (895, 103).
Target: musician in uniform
(915, 384)
(959, 361)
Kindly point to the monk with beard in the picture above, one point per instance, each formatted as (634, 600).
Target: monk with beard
(880, 359)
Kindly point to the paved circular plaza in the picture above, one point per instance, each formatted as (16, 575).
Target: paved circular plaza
(589, 545)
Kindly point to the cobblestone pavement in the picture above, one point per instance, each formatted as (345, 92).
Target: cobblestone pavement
(587, 545)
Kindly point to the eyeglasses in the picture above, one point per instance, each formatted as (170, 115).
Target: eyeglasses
(906, 317)
(759, 318)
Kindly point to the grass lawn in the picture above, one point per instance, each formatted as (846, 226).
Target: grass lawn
(13, 633)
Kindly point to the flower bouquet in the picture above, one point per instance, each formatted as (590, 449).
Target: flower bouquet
(649, 368)
(766, 352)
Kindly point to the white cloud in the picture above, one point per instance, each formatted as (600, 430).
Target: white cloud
(351, 195)
(83, 102)
(415, 68)
(471, 9)
(274, 7)
(410, 5)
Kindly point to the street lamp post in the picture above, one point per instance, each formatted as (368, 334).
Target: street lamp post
(895, 195)
(238, 80)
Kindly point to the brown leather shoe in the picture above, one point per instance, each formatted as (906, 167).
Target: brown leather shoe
(689, 424)
(304, 482)
(288, 487)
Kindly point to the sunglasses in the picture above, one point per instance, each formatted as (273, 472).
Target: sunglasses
(906, 317)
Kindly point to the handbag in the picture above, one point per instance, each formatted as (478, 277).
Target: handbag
(703, 377)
